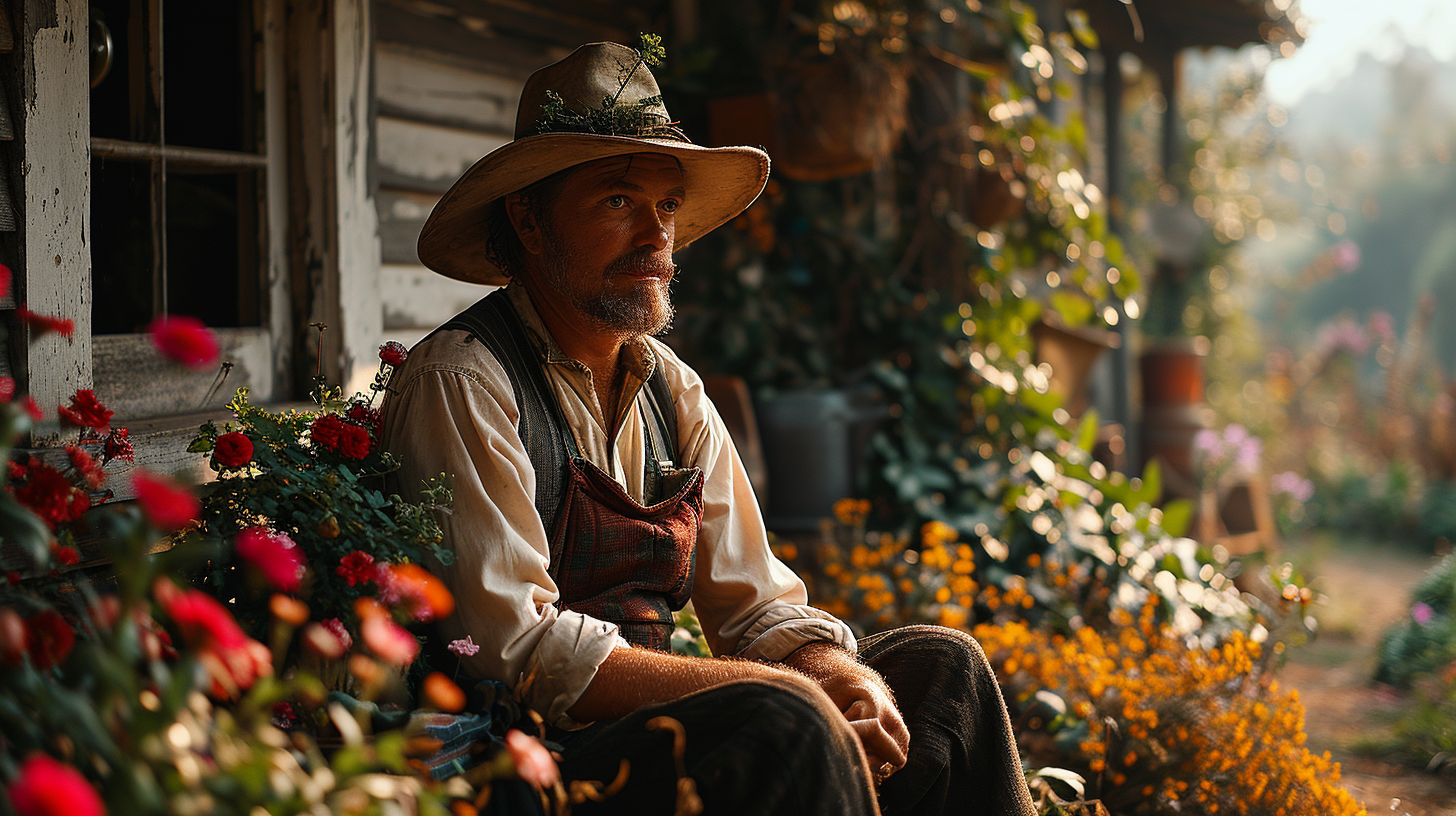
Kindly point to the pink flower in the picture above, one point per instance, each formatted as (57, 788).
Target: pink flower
(388, 640)
(274, 555)
(1422, 613)
(324, 641)
(185, 340)
(167, 505)
(533, 762)
(464, 647)
(45, 787)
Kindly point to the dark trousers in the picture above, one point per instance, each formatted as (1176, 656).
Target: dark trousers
(754, 747)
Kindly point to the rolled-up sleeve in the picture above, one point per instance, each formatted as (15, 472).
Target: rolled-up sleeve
(446, 417)
(749, 602)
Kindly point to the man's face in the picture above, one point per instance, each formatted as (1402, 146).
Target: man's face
(607, 242)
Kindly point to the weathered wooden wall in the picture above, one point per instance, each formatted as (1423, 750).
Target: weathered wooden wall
(448, 78)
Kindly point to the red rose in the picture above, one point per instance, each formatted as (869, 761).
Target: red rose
(354, 442)
(85, 411)
(118, 447)
(273, 554)
(394, 353)
(368, 418)
(50, 495)
(356, 568)
(325, 431)
(185, 340)
(233, 450)
(86, 467)
(45, 787)
(69, 556)
(7, 389)
(167, 505)
(51, 638)
(40, 325)
(33, 409)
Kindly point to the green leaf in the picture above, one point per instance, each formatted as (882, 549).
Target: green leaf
(1177, 515)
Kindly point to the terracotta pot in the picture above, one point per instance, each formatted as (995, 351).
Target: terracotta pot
(1071, 352)
(1173, 372)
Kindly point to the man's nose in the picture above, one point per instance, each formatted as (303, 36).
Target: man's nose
(654, 229)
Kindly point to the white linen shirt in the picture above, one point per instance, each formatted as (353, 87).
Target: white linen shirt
(451, 409)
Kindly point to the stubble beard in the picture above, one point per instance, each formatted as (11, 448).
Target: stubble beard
(644, 309)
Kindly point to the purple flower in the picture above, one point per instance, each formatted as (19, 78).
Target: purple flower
(1422, 613)
(1208, 443)
(1346, 255)
(464, 647)
(1293, 485)
(1342, 335)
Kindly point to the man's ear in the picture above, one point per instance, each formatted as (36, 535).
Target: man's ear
(526, 223)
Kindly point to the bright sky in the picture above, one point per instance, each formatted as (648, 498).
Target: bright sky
(1340, 30)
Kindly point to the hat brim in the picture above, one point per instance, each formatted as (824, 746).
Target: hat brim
(720, 181)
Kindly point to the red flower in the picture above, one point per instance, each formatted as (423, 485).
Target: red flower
(41, 325)
(45, 787)
(185, 340)
(368, 418)
(388, 640)
(118, 447)
(533, 762)
(49, 495)
(86, 411)
(69, 556)
(354, 442)
(31, 408)
(51, 638)
(14, 637)
(4, 280)
(7, 389)
(168, 505)
(273, 554)
(393, 353)
(231, 658)
(233, 450)
(326, 430)
(86, 467)
(356, 568)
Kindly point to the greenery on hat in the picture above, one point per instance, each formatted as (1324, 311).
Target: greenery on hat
(616, 118)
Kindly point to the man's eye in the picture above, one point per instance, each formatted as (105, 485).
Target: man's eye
(617, 202)
(671, 205)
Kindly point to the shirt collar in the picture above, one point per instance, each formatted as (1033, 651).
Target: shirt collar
(636, 357)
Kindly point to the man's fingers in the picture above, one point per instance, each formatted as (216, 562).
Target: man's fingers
(878, 744)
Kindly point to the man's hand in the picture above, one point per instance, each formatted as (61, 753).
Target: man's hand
(863, 697)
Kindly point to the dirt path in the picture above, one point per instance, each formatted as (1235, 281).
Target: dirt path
(1367, 588)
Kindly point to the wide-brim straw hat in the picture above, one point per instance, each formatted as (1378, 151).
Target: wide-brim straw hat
(719, 182)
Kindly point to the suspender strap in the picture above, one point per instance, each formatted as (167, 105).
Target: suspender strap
(542, 427)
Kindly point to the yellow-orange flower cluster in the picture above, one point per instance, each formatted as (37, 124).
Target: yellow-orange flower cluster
(1197, 730)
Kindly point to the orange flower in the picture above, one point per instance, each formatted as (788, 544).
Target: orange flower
(442, 693)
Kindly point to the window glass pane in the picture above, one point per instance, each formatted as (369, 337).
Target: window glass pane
(203, 248)
(110, 98)
(121, 246)
(205, 73)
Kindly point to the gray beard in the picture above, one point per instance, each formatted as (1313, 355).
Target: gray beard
(645, 310)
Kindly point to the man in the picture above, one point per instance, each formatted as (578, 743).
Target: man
(597, 490)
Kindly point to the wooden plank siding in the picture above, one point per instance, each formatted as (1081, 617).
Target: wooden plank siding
(135, 382)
